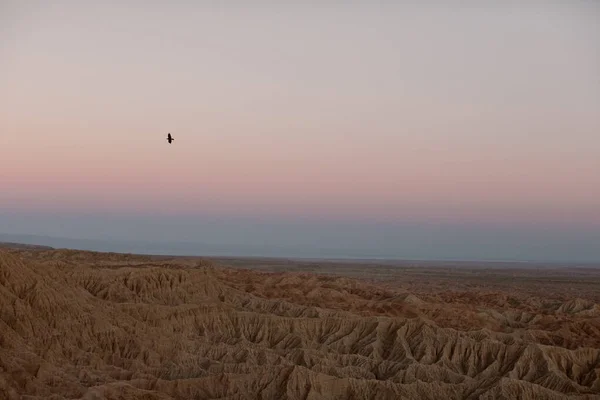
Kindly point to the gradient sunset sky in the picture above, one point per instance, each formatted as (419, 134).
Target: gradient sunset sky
(413, 131)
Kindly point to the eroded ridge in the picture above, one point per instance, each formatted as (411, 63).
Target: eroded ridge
(91, 325)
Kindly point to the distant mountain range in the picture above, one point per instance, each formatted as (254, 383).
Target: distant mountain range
(173, 248)
(14, 245)
(195, 249)
(127, 246)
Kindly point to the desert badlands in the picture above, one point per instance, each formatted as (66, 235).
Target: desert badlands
(87, 325)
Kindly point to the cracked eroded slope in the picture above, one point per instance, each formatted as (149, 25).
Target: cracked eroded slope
(91, 326)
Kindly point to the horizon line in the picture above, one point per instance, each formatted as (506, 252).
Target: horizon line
(339, 258)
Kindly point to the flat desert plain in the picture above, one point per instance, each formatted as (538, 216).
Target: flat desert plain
(88, 325)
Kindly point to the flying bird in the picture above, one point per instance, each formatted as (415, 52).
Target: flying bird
(169, 138)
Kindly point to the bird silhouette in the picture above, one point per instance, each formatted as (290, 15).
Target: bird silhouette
(169, 138)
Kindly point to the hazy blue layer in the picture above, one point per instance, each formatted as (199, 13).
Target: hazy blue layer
(256, 237)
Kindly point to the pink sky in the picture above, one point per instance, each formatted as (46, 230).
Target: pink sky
(360, 112)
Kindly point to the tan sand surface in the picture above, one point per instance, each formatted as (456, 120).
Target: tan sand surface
(86, 325)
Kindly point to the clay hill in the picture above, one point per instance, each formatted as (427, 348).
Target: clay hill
(85, 325)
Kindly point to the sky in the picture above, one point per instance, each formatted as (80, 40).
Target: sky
(404, 130)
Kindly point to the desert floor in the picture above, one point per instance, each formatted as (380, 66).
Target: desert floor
(87, 325)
